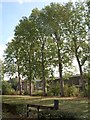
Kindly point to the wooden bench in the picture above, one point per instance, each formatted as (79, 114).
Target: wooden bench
(38, 107)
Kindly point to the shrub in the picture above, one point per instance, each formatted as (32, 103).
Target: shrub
(16, 109)
(14, 83)
(74, 91)
(7, 89)
(57, 115)
(71, 91)
(38, 93)
(86, 92)
(54, 90)
(66, 91)
(12, 92)
(26, 92)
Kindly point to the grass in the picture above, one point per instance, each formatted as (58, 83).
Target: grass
(72, 104)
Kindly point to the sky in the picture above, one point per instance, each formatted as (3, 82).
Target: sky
(11, 11)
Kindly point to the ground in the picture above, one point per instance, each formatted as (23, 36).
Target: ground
(72, 104)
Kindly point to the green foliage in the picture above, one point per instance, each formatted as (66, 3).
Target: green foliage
(26, 93)
(21, 110)
(16, 109)
(54, 90)
(38, 93)
(7, 89)
(1, 70)
(14, 83)
(75, 105)
(71, 91)
(86, 92)
(44, 41)
(77, 35)
(74, 91)
(57, 115)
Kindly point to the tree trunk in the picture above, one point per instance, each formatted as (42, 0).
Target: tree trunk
(81, 81)
(60, 66)
(26, 86)
(60, 74)
(43, 71)
(30, 87)
(29, 77)
(19, 79)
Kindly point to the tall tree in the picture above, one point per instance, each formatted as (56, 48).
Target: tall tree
(54, 18)
(12, 62)
(26, 34)
(1, 70)
(77, 35)
(41, 39)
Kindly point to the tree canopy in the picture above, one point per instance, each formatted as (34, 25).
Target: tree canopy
(48, 38)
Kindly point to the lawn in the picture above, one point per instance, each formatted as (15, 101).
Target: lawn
(72, 104)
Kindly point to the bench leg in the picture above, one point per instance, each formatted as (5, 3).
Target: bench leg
(28, 110)
(38, 111)
(27, 114)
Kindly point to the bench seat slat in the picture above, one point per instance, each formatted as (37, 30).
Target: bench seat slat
(41, 106)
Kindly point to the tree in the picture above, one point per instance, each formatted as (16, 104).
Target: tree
(1, 74)
(42, 49)
(77, 35)
(54, 19)
(1, 70)
(44, 41)
(26, 33)
(12, 63)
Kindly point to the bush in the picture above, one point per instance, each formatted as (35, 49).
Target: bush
(7, 89)
(57, 115)
(66, 91)
(71, 91)
(26, 92)
(54, 90)
(14, 83)
(38, 93)
(86, 92)
(16, 109)
(74, 91)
